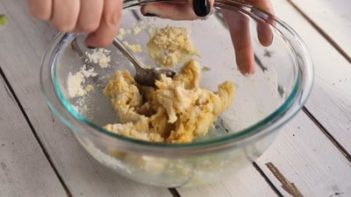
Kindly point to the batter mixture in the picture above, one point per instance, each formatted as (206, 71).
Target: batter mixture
(170, 45)
(176, 110)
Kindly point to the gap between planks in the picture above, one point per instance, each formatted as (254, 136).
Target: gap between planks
(330, 137)
(327, 134)
(173, 191)
(47, 155)
(288, 186)
(268, 181)
(321, 31)
(13, 95)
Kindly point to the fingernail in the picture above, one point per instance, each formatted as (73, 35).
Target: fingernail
(245, 64)
(88, 43)
(150, 14)
(201, 7)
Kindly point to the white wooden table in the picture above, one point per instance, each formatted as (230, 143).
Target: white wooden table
(311, 157)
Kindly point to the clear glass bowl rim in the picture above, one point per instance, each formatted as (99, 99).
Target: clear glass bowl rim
(272, 122)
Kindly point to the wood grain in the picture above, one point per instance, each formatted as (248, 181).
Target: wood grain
(23, 43)
(286, 184)
(24, 169)
(82, 174)
(330, 101)
(333, 17)
(308, 160)
(302, 153)
(311, 161)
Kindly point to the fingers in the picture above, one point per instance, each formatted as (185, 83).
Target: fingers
(65, 14)
(98, 16)
(40, 9)
(262, 4)
(89, 16)
(240, 33)
(102, 16)
(264, 31)
(238, 24)
(173, 11)
(265, 34)
(179, 11)
(109, 25)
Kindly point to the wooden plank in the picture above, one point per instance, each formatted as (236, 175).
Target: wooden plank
(24, 169)
(333, 17)
(311, 161)
(23, 42)
(306, 158)
(246, 182)
(330, 101)
(80, 172)
(302, 154)
(83, 171)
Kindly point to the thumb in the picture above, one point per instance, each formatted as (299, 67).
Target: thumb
(183, 10)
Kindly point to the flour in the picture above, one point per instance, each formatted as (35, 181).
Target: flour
(99, 56)
(75, 82)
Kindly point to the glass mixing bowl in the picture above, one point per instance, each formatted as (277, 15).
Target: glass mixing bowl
(264, 101)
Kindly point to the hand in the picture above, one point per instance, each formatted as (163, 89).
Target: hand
(238, 26)
(99, 18)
